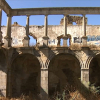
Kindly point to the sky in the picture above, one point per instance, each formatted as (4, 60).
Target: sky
(52, 19)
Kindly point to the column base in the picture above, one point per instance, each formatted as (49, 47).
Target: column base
(26, 41)
(65, 41)
(7, 41)
(45, 40)
(84, 40)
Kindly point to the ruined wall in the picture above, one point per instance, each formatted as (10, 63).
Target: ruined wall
(76, 31)
(70, 19)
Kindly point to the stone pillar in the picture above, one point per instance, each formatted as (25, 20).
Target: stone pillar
(58, 44)
(7, 38)
(65, 31)
(0, 27)
(0, 18)
(26, 38)
(45, 38)
(9, 83)
(85, 76)
(84, 38)
(44, 84)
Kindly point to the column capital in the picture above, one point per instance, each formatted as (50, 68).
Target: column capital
(8, 15)
(28, 15)
(66, 15)
(46, 15)
(83, 15)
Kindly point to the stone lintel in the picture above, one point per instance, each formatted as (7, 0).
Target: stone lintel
(56, 11)
(4, 5)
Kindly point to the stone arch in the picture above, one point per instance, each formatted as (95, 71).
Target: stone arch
(57, 53)
(89, 59)
(25, 74)
(60, 69)
(34, 37)
(36, 54)
(94, 69)
(61, 37)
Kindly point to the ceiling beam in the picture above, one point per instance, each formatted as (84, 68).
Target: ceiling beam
(56, 11)
(4, 6)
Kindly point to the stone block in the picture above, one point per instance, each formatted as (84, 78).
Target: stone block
(26, 41)
(45, 40)
(84, 40)
(65, 40)
(7, 41)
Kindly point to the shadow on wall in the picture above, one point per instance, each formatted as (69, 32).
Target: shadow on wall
(25, 76)
(3, 73)
(64, 75)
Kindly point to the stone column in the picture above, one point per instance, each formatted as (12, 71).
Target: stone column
(0, 18)
(45, 38)
(26, 38)
(84, 38)
(7, 38)
(65, 31)
(58, 44)
(9, 83)
(85, 76)
(0, 27)
(44, 84)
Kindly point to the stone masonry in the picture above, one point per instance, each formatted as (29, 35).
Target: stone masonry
(47, 66)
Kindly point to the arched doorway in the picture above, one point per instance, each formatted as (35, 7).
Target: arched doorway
(3, 73)
(94, 71)
(64, 70)
(25, 75)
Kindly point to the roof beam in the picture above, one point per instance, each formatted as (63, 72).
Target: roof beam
(56, 11)
(4, 6)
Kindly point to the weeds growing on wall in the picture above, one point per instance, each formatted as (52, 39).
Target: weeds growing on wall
(69, 93)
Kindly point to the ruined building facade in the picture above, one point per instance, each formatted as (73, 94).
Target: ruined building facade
(43, 68)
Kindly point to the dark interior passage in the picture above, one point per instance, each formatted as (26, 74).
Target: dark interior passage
(94, 71)
(64, 70)
(25, 75)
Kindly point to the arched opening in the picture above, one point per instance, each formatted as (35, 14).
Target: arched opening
(33, 40)
(74, 23)
(25, 76)
(3, 73)
(60, 40)
(64, 70)
(94, 71)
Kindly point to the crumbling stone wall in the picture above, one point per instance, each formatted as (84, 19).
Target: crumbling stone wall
(70, 19)
(54, 31)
